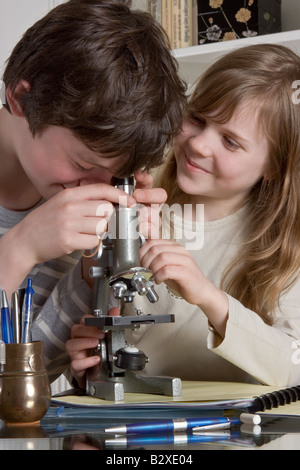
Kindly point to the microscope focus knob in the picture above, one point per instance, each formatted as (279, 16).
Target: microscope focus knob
(130, 358)
(139, 283)
(151, 294)
(119, 290)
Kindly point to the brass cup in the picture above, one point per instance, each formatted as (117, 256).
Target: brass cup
(25, 391)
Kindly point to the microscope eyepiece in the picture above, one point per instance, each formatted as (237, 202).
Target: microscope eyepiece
(127, 184)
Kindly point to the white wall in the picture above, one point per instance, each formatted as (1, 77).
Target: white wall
(290, 13)
(16, 17)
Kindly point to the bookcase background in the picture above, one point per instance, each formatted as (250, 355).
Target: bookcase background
(17, 15)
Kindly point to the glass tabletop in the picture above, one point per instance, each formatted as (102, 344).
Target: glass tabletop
(274, 433)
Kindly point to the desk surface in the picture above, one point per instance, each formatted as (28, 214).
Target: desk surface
(277, 433)
(65, 429)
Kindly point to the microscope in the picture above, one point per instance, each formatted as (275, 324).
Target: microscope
(118, 273)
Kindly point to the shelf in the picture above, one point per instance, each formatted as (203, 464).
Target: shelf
(194, 60)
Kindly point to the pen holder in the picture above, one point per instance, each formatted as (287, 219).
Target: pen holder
(25, 392)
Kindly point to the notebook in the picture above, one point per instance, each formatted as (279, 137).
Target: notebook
(198, 396)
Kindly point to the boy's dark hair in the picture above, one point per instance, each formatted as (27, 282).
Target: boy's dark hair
(105, 72)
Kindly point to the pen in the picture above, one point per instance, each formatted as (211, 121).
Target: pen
(174, 425)
(176, 439)
(27, 313)
(2, 355)
(16, 316)
(1, 320)
(21, 295)
(5, 319)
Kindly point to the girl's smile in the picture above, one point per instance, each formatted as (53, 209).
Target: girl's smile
(219, 163)
(195, 167)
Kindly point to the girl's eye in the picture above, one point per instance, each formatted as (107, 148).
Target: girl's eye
(231, 144)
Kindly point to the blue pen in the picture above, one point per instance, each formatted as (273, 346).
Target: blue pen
(175, 439)
(174, 425)
(27, 313)
(7, 335)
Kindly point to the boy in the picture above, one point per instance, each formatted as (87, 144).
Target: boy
(91, 92)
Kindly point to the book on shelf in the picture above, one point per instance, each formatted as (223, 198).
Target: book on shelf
(179, 18)
(192, 22)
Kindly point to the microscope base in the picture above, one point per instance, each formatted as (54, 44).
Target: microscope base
(113, 389)
(100, 384)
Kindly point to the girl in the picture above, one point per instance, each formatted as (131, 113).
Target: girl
(236, 294)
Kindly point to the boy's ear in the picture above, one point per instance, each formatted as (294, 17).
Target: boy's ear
(14, 98)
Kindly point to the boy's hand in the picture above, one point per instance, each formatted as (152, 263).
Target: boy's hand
(84, 339)
(150, 201)
(69, 221)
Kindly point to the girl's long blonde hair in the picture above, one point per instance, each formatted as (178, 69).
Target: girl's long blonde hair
(269, 261)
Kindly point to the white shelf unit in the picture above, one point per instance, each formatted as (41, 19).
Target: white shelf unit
(194, 60)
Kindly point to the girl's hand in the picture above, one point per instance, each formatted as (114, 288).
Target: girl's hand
(171, 263)
(84, 339)
(150, 200)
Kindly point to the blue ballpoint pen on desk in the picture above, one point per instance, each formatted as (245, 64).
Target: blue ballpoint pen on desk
(174, 425)
(7, 335)
(27, 313)
(167, 439)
